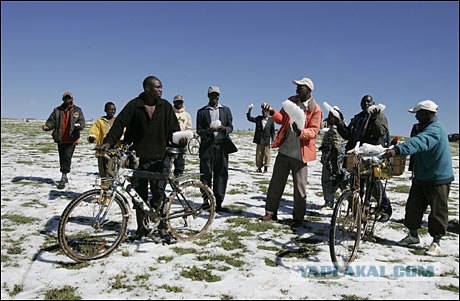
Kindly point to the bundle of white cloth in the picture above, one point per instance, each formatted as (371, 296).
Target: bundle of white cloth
(215, 124)
(296, 114)
(368, 149)
(182, 134)
(380, 107)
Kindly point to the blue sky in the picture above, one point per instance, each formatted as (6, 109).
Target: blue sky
(398, 52)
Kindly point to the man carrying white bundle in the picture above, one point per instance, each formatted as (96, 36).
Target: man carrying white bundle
(185, 123)
(296, 148)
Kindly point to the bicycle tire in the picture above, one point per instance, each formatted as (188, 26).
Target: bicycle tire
(193, 146)
(187, 214)
(81, 237)
(344, 231)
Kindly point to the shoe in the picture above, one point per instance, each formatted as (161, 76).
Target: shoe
(205, 207)
(259, 170)
(166, 237)
(409, 240)
(138, 235)
(61, 184)
(295, 224)
(327, 206)
(385, 214)
(265, 169)
(268, 217)
(433, 250)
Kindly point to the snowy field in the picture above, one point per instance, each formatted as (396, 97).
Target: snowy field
(241, 258)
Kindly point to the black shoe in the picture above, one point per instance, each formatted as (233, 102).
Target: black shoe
(295, 224)
(205, 207)
(385, 214)
(259, 170)
(138, 235)
(61, 185)
(166, 237)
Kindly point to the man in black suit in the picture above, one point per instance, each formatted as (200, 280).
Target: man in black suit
(213, 125)
(263, 136)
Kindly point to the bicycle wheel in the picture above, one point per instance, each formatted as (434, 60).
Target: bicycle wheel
(190, 210)
(89, 229)
(344, 233)
(193, 146)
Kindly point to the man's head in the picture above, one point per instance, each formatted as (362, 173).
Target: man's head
(213, 95)
(304, 88)
(178, 102)
(110, 109)
(424, 111)
(366, 102)
(152, 87)
(335, 116)
(67, 98)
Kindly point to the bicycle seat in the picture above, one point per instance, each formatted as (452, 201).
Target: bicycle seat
(175, 150)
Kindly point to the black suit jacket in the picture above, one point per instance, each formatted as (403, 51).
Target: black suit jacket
(263, 136)
(203, 120)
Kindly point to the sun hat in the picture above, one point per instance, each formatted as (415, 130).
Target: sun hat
(425, 105)
(178, 98)
(305, 82)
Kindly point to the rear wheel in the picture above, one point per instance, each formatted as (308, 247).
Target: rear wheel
(344, 233)
(92, 226)
(190, 210)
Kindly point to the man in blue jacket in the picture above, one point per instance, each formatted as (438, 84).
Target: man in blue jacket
(433, 174)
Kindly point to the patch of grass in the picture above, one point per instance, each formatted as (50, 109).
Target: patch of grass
(5, 258)
(125, 253)
(268, 248)
(230, 240)
(141, 277)
(210, 266)
(269, 262)
(227, 259)
(119, 282)
(197, 274)
(450, 287)
(16, 290)
(417, 251)
(34, 204)
(15, 249)
(165, 258)
(65, 293)
(226, 297)
(253, 224)
(171, 289)
(75, 266)
(401, 189)
(319, 194)
(182, 251)
(449, 274)
(19, 219)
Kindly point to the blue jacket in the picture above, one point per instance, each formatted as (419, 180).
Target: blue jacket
(431, 150)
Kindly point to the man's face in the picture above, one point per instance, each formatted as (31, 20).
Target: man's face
(110, 111)
(366, 103)
(213, 98)
(154, 89)
(178, 104)
(303, 92)
(67, 100)
(423, 116)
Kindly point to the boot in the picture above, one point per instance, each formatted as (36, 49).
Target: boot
(61, 183)
(265, 168)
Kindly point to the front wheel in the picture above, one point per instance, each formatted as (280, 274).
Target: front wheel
(190, 211)
(193, 146)
(92, 225)
(344, 233)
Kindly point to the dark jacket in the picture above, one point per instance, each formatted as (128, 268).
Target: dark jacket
(366, 129)
(54, 122)
(203, 120)
(262, 136)
(149, 136)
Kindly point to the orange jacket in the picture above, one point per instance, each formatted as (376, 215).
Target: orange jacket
(309, 132)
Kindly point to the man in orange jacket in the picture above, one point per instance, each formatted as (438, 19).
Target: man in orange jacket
(296, 148)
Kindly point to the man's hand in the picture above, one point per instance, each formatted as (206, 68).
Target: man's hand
(91, 139)
(45, 127)
(269, 108)
(390, 153)
(77, 126)
(374, 112)
(296, 129)
(250, 107)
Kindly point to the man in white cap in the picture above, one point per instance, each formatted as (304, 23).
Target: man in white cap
(66, 121)
(433, 174)
(185, 123)
(296, 148)
(214, 123)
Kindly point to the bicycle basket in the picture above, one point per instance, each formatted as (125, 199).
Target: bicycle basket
(351, 162)
(397, 165)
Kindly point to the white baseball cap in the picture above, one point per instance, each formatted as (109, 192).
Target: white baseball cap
(425, 105)
(305, 82)
(213, 89)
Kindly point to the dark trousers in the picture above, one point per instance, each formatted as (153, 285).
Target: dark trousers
(284, 165)
(214, 173)
(157, 188)
(179, 164)
(420, 197)
(65, 156)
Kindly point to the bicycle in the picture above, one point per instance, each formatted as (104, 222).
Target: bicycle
(193, 145)
(358, 208)
(95, 223)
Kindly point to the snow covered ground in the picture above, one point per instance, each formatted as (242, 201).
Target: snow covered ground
(241, 258)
